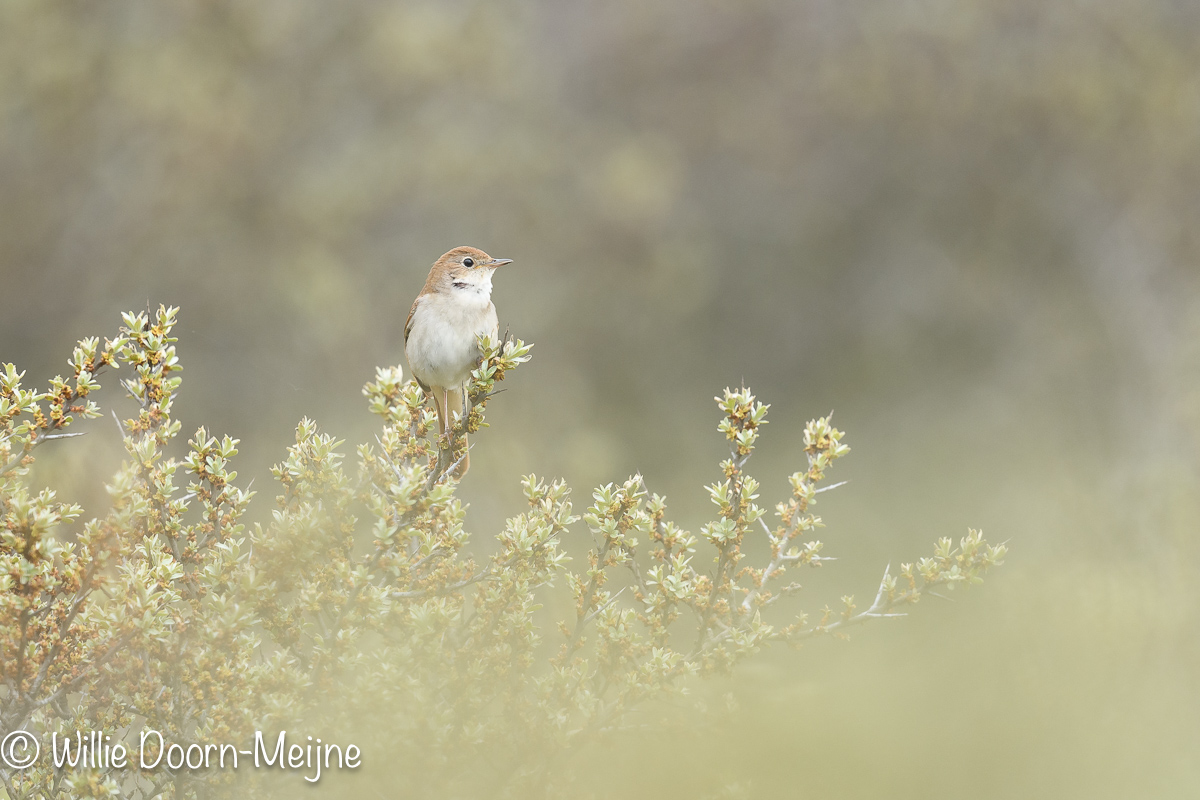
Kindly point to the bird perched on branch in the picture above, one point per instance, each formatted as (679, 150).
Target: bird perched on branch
(440, 335)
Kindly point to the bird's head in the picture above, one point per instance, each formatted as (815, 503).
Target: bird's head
(465, 268)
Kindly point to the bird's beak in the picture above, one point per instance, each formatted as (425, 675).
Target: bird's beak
(499, 262)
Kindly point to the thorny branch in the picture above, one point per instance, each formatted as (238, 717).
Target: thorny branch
(180, 614)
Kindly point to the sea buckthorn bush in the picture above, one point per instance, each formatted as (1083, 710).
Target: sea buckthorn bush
(358, 607)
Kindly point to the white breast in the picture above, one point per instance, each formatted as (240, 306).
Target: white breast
(442, 348)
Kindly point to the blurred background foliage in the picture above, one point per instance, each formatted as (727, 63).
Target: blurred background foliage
(968, 226)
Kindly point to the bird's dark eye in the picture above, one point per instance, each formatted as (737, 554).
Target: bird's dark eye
(468, 262)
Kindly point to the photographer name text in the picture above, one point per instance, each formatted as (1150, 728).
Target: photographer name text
(99, 750)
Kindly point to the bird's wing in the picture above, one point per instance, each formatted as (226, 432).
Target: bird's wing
(408, 323)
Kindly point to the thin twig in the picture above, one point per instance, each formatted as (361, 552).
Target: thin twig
(52, 436)
(600, 609)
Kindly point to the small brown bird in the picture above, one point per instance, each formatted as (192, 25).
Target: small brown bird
(439, 337)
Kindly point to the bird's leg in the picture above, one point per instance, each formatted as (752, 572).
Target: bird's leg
(441, 401)
(455, 398)
(466, 412)
(437, 394)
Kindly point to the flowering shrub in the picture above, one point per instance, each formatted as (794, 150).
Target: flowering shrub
(359, 601)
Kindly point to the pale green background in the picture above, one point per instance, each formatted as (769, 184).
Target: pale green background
(970, 227)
